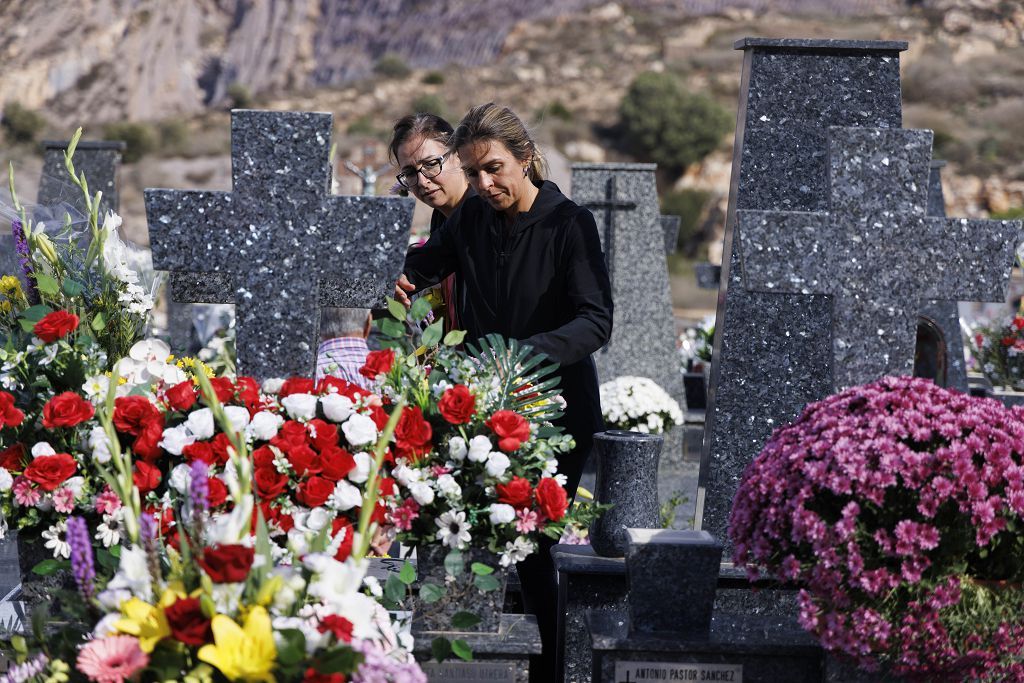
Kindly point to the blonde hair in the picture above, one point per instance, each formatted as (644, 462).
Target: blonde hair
(489, 122)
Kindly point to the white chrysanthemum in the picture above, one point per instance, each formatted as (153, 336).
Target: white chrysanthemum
(638, 403)
(453, 529)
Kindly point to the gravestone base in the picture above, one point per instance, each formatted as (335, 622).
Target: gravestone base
(502, 657)
(738, 649)
(736, 595)
(585, 582)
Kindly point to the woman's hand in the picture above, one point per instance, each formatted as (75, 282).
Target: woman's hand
(401, 287)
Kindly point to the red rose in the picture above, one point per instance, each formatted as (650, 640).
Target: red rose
(412, 434)
(314, 676)
(227, 563)
(510, 428)
(66, 410)
(379, 417)
(199, 450)
(378, 362)
(55, 325)
(10, 416)
(223, 388)
(386, 486)
(273, 515)
(182, 396)
(13, 459)
(551, 499)
(269, 482)
(518, 493)
(336, 462)
(249, 391)
(188, 623)
(263, 457)
(147, 443)
(323, 434)
(315, 491)
(303, 460)
(218, 492)
(131, 413)
(296, 385)
(290, 435)
(50, 471)
(457, 404)
(340, 386)
(341, 525)
(338, 625)
(221, 443)
(146, 477)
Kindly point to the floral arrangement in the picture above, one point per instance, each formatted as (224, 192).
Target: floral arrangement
(695, 345)
(638, 404)
(897, 508)
(998, 351)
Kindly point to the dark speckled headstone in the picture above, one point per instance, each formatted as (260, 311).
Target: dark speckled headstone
(670, 224)
(624, 201)
(876, 253)
(280, 239)
(98, 159)
(772, 352)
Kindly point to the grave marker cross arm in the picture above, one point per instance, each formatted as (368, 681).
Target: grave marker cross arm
(191, 231)
(977, 259)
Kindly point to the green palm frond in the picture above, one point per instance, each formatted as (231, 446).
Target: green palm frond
(529, 381)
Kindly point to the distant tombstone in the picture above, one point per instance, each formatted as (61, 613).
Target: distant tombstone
(772, 352)
(279, 242)
(942, 316)
(876, 253)
(709, 275)
(99, 160)
(670, 224)
(624, 200)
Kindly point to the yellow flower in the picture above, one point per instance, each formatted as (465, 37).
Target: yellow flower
(242, 654)
(144, 621)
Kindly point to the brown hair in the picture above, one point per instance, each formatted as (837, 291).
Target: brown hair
(491, 122)
(429, 126)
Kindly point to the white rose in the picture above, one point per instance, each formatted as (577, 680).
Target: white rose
(181, 479)
(502, 513)
(100, 445)
(337, 408)
(361, 472)
(448, 487)
(176, 438)
(497, 463)
(237, 416)
(264, 425)
(200, 423)
(345, 496)
(406, 475)
(479, 448)
(75, 485)
(42, 448)
(272, 385)
(422, 493)
(359, 430)
(300, 406)
(315, 520)
(457, 448)
(6, 480)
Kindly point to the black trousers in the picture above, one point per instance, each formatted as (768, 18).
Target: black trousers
(537, 572)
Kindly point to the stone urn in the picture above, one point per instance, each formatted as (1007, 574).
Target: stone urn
(472, 591)
(627, 478)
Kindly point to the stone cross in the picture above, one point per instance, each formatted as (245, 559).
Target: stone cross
(876, 253)
(609, 205)
(773, 352)
(279, 240)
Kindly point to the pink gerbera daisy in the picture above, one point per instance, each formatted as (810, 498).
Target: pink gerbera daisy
(527, 521)
(112, 660)
(64, 500)
(24, 493)
(108, 502)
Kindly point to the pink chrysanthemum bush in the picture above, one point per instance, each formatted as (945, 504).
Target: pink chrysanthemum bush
(897, 508)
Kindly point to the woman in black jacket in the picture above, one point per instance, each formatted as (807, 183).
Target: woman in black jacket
(530, 265)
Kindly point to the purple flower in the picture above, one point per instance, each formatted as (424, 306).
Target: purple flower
(82, 568)
(25, 261)
(199, 488)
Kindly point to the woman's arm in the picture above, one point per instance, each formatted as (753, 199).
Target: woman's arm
(433, 261)
(589, 294)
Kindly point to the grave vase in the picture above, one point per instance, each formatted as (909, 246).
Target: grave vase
(460, 595)
(627, 478)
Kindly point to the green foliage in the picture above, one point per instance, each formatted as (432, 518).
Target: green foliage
(364, 125)
(391, 66)
(529, 384)
(140, 138)
(239, 96)
(22, 124)
(663, 123)
(429, 104)
(668, 510)
(1011, 214)
(555, 110)
(689, 205)
(433, 78)
(173, 135)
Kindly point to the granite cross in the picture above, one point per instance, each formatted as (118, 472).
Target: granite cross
(280, 239)
(876, 252)
(609, 205)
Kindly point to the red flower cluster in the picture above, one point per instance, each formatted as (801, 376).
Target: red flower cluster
(50, 471)
(66, 410)
(510, 428)
(188, 623)
(551, 498)
(378, 362)
(55, 325)
(226, 563)
(412, 434)
(136, 416)
(314, 453)
(457, 405)
(10, 416)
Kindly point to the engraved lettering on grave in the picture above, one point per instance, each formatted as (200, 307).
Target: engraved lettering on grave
(470, 672)
(634, 672)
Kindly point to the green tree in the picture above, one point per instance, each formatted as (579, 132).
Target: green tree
(689, 205)
(239, 95)
(392, 66)
(429, 104)
(22, 124)
(139, 138)
(663, 123)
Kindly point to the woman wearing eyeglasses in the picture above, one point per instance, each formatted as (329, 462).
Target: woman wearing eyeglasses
(419, 149)
(530, 265)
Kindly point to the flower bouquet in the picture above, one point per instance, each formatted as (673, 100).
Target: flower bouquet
(998, 351)
(897, 507)
(638, 404)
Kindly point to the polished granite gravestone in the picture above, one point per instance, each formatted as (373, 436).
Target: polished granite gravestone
(502, 657)
(670, 225)
(624, 201)
(280, 239)
(674, 634)
(708, 275)
(945, 315)
(875, 252)
(772, 352)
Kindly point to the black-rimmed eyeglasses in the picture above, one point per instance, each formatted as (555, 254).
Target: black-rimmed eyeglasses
(431, 168)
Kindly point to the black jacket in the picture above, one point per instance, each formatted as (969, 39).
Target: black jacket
(540, 279)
